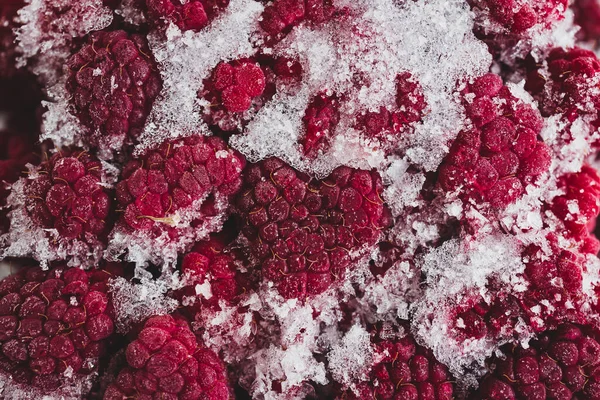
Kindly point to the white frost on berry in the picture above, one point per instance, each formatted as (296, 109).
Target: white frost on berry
(351, 359)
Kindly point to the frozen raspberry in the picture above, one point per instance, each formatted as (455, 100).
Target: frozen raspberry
(410, 103)
(113, 80)
(559, 364)
(515, 17)
(305, 232)
(166, 362)
(579, 206)
(191, 15)
(233, 90)
(52, 321)
(320, 120)
(495, 159)
(587, 16)
(67, 197)
(280, 17)
(404, 370)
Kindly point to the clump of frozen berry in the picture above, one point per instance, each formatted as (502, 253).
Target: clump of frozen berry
(53, 323)
(233, 89)
(579, 206)
(587, 16)
(191, 15)
(166, 362)
(67, 193)
(514, 17)
(177, 176)
(113, 81)
(280, 17)
(305, 232)
(320, 120)
(559, 364)
(410, 103)
(404, 370)
(501, 153)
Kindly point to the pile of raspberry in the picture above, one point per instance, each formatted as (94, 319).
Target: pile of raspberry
(143, 258)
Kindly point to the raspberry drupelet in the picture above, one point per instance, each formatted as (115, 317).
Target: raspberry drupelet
(280, 17)
(404, 370)
(165, 361)
(113, 80)
(494, 160)
(305, 232)
(559, 364)
(192, 15)
(53, 323)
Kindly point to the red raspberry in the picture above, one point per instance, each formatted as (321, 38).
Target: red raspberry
(579, 206)
(517, 17)
(113, 80)
(166, 362)
(67, 193)
(495, 159)
(320, 120)
(235, 88)
(410, 102)
(559, 364)
(166, 189)
(404, 370)
(53, 320)
(587, 16)
(305, 232)
(192, 15)
(282, 16)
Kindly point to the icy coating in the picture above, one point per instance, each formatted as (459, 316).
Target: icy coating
(449, 276)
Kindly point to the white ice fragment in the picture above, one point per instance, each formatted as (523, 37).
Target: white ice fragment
(351, 359)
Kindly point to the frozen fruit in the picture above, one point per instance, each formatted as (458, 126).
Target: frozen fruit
(587, 16)
(495, 159)
(191, 15)
(305, 232)
(320, 120)
(166, 362)
(280, 17)
(559, 364)
(404, 370)
(113, 80)
(53, 321)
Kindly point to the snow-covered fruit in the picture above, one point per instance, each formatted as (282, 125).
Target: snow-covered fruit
(305, 232)
(579, 206)
(113, 80)
(192, 15)
(404, 370)
(320, 120)
(514, 17)
(559, 364)
(501, 153)
(165, 361)
(68, 193)
(160, 185)
(53, 323)
(281, 16)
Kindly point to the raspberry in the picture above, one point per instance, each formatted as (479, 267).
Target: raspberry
(53, 320)
(304, 232)
(282, 16)
(587, 16)
(166, 189)
(495, 159)
(166, 362)
(404, 370)
(579, 206)
(113, 80)
(67, 192)
(193, 15)
(410, 102)
(320, 120)
(235, 88)
(559, 364)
